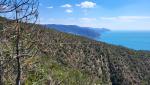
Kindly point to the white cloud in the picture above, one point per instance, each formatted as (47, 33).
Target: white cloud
(69, 11)
(138, 23)
(50, 7)
(86, 4)
(3, 7)
(87, 19)
(66, 6)
(126, 18)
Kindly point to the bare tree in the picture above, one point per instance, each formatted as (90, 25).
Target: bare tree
(20, 12)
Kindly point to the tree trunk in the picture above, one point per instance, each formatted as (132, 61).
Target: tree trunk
(19, 72)
(17, 50)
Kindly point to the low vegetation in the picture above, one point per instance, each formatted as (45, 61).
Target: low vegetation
(65, 59)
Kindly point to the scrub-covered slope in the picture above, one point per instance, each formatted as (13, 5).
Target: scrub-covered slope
(65, 59)
(106, 63)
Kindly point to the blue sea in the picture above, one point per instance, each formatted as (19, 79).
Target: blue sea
(133, 40)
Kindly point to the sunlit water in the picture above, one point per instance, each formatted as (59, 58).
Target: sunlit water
(133, 40)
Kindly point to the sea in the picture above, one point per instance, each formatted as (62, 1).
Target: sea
(137, 40)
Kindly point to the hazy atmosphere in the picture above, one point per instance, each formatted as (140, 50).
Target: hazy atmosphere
(111, 14)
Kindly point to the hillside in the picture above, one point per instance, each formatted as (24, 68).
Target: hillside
(77, 30)
(65, 59)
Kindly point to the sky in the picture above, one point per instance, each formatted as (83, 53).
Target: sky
(133, 15)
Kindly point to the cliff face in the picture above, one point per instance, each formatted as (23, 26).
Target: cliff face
(65, 59)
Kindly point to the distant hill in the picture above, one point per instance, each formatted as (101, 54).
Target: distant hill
(77, 30)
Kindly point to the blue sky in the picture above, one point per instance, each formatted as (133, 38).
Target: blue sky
(111, 14)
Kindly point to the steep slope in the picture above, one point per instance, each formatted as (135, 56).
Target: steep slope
(65, 59)
(110, 64)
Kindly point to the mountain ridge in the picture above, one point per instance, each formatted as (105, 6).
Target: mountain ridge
(77, 30)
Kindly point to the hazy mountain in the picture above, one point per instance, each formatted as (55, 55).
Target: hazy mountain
(77, 30)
